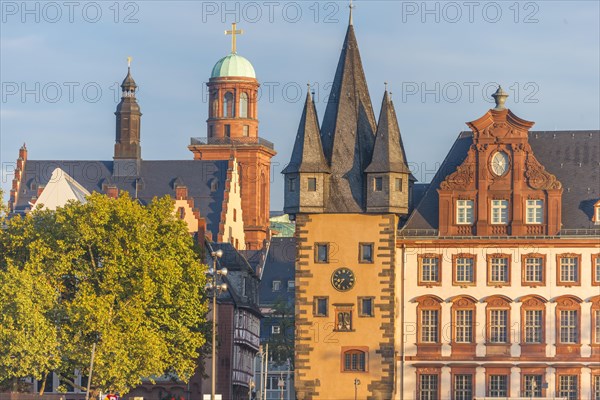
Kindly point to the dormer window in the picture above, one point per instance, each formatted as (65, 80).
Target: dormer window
(535, 211)
(499, 212)
(464, 212)
(292, 184)
(312, 184)
(596, 217)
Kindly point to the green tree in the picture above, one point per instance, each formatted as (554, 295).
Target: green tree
(120, 275)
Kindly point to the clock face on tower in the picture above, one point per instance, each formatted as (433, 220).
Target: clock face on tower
(499, 163)
(343, 279)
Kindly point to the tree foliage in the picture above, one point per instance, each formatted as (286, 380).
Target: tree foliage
(108, 271)
(281, 345)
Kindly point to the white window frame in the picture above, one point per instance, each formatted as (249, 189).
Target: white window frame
(499, 270)
(275, 329)
(568, 329)
(596, 317)
(430, 269)
(276, 286)
(534, 267)
(498, 386)
(464, 326)
(534, 326)
(499, 326)
(429, 386)
(534, 214)
(465, 212)
(569, 269)
(528, 390)
(463, 386)
(465, 270)
(499, 212)
(430, 322)
(568, 386)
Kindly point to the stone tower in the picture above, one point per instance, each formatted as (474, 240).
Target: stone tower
(128, 150)
(232, 128)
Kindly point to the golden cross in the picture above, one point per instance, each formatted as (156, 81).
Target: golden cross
(129, 61)
(234, 32)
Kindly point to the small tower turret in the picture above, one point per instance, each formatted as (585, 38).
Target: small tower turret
(388, 176)
(307, 174)
(128, 151)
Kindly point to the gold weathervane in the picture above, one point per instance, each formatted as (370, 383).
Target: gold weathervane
(233, 32)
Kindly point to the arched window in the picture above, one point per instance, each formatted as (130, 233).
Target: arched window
(463, 322)
(533, 324)
(498, 320)
(228, 105)
(428, 324)
(355, 360)
(244, 105)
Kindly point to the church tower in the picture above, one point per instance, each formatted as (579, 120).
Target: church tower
(347, 186)
(232, 127)
(128, 151)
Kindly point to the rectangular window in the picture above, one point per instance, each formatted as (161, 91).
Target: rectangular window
(464, 212)
(533, 326)
(428, 387)
(534, 270)
(429, 326)
(246, 130)
(499, 270)
(568, 387)
(596, 317)
(275, 329)
(569, 269)
(276, 286)
(430, 271)
(366, 306)
(312, 184)
(532, 385)
(463, 387)
(366, 252)
(499, 212)
(292, 184)
(535, 211)
(499, 326)
(498, 386)
(465, 270)
(227, 130)
(211, 131)
(321, 308)
(596, 270)
(398, 186)
(291, 286)
(464, 326)
(354, 360)
(596, 387)
(378, 184)
(322, 252)
(568, 326)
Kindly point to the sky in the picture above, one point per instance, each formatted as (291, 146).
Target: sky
(61, 63)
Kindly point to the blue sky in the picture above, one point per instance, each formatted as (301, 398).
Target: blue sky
(60, 64)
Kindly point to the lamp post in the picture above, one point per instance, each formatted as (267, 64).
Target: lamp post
(356, 383)
(215, 289)
(533, 387)
(281, 385)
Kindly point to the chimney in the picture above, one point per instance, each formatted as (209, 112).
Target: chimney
(112, 191)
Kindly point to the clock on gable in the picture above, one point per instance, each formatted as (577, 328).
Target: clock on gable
(343, 279)
(499, 163)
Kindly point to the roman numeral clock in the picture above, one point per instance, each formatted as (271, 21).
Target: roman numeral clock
(343, 279)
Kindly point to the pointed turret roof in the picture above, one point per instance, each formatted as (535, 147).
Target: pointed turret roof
(60, 189)
(307, 155)
(128, 84)
(388, 153)
(348, 129)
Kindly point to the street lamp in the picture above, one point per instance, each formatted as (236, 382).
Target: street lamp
(215, 288)
(356, 383)
(281, 385)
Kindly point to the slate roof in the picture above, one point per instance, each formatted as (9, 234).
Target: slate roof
(388, 153)
(238, 268)
(307, 155)
(156, 179)
(348, 130)
(279, 266)
(572, 156)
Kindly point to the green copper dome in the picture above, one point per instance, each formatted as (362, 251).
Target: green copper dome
(233, 65)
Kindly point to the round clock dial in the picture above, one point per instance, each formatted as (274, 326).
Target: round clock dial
(343, 279)
(500, 163)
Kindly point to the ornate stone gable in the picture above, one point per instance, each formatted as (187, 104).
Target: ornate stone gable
(502, 188)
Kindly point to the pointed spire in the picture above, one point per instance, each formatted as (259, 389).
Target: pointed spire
(348, 130)
(351, 6)
(129, 85)
(307, 155)
(388, 153)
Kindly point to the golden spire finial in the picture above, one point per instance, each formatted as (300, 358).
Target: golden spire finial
(233, 32)
(129, 58)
